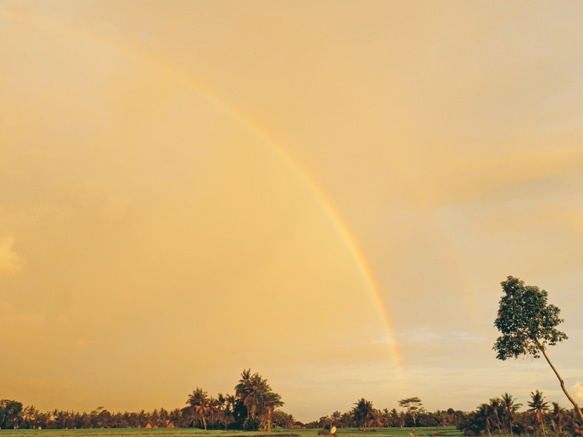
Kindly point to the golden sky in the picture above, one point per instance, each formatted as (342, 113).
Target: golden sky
(328, 192)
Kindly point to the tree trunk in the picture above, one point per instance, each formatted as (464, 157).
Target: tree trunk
(577, 408)
(541, 419)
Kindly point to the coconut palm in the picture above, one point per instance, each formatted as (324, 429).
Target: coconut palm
(199, 402)
(484, 418)
(558, 414)
(538, 406)
(363, 413)
(510, 407)
(335, 418)
(258, 398)
(269, 403)
(496, 413)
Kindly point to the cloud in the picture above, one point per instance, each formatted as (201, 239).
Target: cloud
(577, 390)
(10, 261)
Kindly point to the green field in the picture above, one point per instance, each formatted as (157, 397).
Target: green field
(194, 432)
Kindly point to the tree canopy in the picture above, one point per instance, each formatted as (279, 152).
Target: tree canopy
(528, 323)
(413, 406)
(363, 413)
(255, 393)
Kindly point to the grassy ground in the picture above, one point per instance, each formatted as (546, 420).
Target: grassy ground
(193, 432)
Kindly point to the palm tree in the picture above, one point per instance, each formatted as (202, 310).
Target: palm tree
(335, 418)
(258, 398)
(269, 403)
(30, 416)
(538, 406)
(497, 412)
(483, 418)
(557, 422)
(510, 407)
(363, 413)
(199, 401)
(248, 391)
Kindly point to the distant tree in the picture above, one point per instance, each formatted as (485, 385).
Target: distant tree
(363, 413)
(10, 412)
(226, 406)
(175, 417)
(528, 326)
(256, 395)
(199, 402)
(413, 406)
(496, 413)
(270, 402)
(558, 415)
(510, 407)
(538, 406)
(335, 418)
(283, 420)
(477, 421)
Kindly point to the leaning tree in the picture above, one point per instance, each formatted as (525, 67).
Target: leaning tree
(528, 326)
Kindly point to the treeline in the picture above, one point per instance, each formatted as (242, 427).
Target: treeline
(412, 414)
(253, 406)
(500, 416)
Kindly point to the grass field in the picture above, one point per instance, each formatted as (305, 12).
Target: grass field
(193, 432)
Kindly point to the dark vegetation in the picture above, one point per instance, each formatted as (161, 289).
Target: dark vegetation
(527, 324)
(499, 416)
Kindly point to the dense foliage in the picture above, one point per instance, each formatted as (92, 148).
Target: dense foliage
(526, 321)
(528, 324)
(253, 406)
(499, 416)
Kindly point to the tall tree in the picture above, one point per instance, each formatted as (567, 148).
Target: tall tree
(497, 412)
(199, 401)
(510, 407)
(413, 406)
(258, 398)
(557, 422)
(270, 402)
(363, 413)
(538, 406)
(528, 323)
(10, 412)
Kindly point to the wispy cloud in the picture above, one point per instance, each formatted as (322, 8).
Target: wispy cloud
(11, 263)
(577, 390)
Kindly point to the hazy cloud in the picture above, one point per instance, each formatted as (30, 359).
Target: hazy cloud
(577, 390)
(11, 263)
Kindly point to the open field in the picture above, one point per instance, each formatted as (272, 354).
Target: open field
(194, 432)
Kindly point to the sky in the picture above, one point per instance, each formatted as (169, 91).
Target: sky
(326, 192)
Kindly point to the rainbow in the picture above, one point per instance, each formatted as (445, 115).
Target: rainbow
(296, 169)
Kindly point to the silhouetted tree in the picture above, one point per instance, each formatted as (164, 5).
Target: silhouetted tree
(510, 407)
(413, 406)
(9, 413)
(258, 398)
(199, 403)
(363, 413)
(528, 326)
(538, 406)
